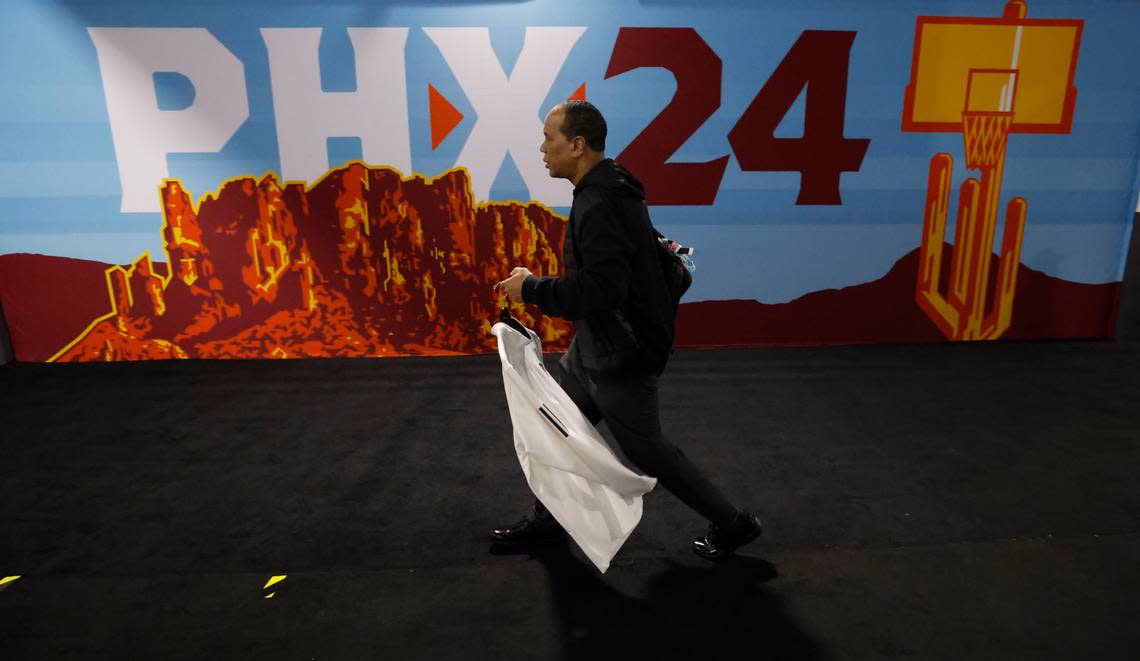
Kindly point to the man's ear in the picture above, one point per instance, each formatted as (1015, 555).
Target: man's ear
(578, 145)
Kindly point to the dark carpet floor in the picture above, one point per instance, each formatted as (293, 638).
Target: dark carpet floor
(957, 501)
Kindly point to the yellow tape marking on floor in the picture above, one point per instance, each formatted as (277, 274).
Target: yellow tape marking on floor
(273, 580)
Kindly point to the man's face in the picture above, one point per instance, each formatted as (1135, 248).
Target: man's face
(558, 153)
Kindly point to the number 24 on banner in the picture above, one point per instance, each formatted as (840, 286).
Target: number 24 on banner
(818, 60)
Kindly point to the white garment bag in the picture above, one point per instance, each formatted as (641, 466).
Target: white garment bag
(568, 465)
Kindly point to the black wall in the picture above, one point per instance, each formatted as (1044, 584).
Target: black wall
(1128, 323)
(5, 341)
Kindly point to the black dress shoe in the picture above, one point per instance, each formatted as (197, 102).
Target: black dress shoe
(528, 530)
(720, 542)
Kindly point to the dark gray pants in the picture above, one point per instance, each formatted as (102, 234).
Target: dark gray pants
(629, 406)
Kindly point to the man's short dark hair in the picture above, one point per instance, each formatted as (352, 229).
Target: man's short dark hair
(583, 119)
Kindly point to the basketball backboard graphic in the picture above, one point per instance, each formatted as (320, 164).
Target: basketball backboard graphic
(949, 50)
(986, 78)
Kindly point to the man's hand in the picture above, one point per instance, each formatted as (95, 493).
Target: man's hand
(512, 286)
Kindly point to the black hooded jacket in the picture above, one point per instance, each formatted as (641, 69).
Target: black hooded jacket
(612, 285)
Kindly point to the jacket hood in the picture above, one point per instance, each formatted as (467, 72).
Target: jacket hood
(609, 175)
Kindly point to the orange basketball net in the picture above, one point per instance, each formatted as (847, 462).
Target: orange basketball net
(985, 133)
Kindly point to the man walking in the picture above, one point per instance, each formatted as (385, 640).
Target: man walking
(613, 289)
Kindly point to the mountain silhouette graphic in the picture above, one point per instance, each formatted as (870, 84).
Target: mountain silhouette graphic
(363, 263)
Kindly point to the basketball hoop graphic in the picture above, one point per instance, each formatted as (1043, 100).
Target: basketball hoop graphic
(988, 116)
(986, 78)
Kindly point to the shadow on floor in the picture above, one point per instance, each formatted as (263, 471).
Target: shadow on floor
(721, 612)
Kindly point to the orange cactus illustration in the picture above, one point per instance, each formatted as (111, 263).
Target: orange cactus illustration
(986, 78)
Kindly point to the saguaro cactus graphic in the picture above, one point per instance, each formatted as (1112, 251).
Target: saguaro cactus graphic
(986, 78)
(961, 314)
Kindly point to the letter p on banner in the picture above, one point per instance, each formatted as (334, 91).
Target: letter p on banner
(143, 134)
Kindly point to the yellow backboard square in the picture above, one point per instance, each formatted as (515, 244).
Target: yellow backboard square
(1043, 54)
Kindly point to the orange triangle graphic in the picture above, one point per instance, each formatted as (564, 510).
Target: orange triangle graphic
(444, 116)
(579, 94)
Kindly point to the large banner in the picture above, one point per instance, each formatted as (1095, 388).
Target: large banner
(349, 178)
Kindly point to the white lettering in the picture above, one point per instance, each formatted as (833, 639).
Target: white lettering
(143, 134)
(377, 112)
(507, 108)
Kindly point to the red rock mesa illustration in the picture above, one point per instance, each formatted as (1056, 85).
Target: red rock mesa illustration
(363, 263)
